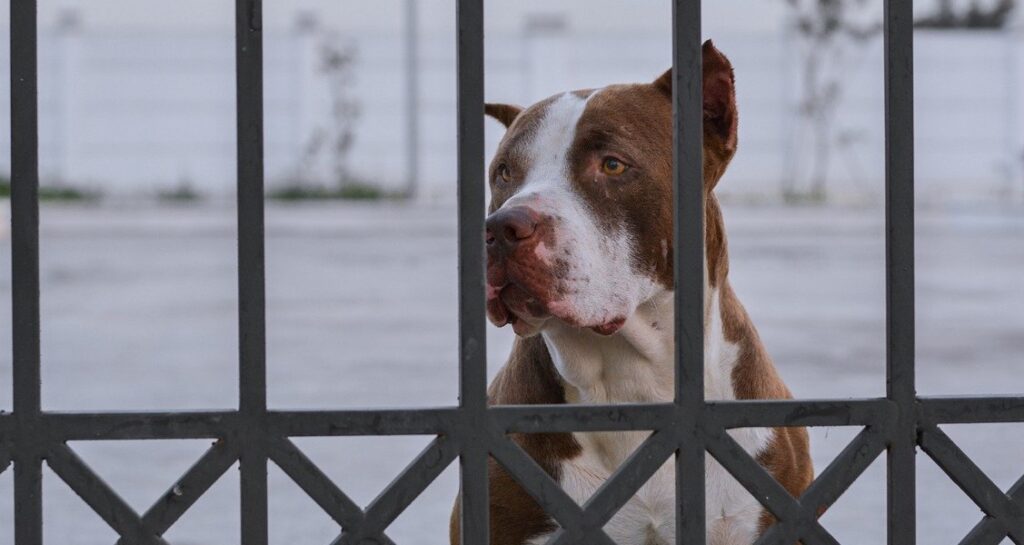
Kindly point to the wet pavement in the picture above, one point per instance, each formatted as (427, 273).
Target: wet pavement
(139, 313)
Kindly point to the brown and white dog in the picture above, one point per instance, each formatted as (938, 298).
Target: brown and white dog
(579, 262)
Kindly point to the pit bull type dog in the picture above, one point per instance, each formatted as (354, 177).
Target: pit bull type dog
(579, 263)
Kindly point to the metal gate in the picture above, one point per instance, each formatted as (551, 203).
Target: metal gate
(689, 428)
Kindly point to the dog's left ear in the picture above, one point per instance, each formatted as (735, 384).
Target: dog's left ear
(720, 116)
(505, 113)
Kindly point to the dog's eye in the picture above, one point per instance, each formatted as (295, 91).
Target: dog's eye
(612, 166)
(504, 173)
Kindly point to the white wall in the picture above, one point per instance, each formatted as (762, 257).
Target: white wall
(135, 110)
(383, 15)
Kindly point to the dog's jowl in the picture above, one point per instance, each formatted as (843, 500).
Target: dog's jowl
(579, 263)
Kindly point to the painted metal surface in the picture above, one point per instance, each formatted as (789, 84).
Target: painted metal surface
(690, 428)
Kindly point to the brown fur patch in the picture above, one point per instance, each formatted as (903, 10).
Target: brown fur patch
(787, 457)
(634, 122)
(513, 152)
(504, 113)
(529, 377)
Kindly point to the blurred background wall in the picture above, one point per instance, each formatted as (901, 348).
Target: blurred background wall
(137, 98)
(139, 294)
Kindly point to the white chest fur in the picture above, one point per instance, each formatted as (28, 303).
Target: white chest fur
(636, 366)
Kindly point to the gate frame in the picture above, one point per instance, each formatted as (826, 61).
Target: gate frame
(687, 428)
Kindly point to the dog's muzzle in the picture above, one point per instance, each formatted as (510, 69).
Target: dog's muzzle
(525, 276)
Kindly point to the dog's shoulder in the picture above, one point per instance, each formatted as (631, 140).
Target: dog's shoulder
(527, 378)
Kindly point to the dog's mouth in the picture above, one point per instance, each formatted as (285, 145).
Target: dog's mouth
(527, 313)
(512, 305)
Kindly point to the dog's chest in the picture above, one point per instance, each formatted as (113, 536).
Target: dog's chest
(607, 373)
(648, 518)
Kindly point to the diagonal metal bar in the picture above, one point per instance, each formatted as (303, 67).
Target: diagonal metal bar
(100, 497)
(544, 490)
(413, 480)
(973, 481)
(187, 490)
(831, 483)
(318, 485)
(756, 479)
(846, 468)
(837, 478)
(812, 532)
(634, 472)
(795, 520)
(989, 531)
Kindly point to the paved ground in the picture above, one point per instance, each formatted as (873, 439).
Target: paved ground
(139, 313)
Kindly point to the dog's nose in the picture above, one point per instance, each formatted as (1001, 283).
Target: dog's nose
(511, 226)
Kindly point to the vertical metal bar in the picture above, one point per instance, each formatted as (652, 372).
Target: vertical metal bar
(687, 106)
(28, 504)
(251, 304)
(899, 243)
(472, 322)
(251, 295)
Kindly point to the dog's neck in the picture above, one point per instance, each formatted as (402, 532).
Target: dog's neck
(636, 365)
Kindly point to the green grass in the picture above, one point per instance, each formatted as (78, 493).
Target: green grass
(53, 194)
(185, 193)
(359, 191)
(67, 194)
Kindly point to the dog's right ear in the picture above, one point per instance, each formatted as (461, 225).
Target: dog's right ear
(505, 113)
(719, 86)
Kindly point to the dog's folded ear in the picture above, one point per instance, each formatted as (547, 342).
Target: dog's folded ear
(505, 113)
(720, 116)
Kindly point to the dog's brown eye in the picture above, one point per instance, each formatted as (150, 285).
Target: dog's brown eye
(504, 174)
(612, 166)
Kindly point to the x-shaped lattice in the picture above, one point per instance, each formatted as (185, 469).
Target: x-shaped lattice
(148, 528)
(797, 518)
(1005, 511)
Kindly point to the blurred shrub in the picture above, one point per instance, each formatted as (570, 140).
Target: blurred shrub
(354, 191)
(54, 193)
(184, 192)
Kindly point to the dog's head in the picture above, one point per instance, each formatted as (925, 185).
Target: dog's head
(580, 224)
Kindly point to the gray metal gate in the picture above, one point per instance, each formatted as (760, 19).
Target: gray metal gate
(687, 428)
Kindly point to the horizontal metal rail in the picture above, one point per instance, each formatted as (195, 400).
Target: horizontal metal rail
(689, 428)
(797, 515)
(81, 426)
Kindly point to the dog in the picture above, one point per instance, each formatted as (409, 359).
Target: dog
(579, 263)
